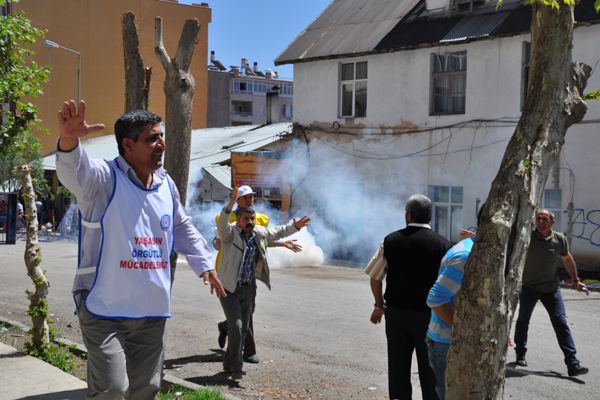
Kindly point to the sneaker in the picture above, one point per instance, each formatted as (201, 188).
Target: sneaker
(222, 335)
(576, 369)
(521, 361)
(253, 359)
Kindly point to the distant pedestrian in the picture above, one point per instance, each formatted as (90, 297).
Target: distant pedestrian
(410, 258)
(548, 252)
(131, 219)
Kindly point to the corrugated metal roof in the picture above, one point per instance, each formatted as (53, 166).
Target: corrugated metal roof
(221, 173)
(209, 146)
(346, 27)
(477, 26)
(349, 27)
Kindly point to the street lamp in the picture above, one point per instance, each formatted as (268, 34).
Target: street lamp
(54, 45)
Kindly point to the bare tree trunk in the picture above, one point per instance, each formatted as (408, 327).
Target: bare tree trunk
(38, 299)
(487, 301)
(179, 93)
(137, 78)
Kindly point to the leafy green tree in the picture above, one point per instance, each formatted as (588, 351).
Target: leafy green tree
(21, 79)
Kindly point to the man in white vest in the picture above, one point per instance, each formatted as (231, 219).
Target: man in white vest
(131, 220)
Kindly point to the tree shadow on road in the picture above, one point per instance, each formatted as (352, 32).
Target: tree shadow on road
(513, 372)
(215, 356)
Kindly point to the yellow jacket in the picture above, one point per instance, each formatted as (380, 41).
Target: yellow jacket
(261, 220)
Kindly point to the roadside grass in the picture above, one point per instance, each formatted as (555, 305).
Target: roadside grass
(177, 392)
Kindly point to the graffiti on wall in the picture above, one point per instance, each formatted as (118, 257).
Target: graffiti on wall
(586, 225)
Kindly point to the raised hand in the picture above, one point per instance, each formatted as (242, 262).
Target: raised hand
(302, 222)
(72, 125)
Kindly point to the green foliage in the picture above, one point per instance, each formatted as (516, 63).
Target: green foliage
(552, 3)
(594, 95)
(19, 78)
(177, 392)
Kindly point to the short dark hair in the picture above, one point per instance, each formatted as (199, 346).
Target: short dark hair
(241, 210)
(419, 206)
(131, 124)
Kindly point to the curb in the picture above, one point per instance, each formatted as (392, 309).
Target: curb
(80, 350)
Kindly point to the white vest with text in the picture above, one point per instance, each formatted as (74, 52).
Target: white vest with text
(133, 275)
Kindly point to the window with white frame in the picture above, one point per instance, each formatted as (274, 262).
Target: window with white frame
(353, 89)
(552, 200)
(525, 57)
(447, 210)
(448, 83)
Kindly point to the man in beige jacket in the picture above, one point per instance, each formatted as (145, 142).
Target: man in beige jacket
(244, 259)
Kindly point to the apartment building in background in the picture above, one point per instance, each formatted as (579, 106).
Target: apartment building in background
(238, 95)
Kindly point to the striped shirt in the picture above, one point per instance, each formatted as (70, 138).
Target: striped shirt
(446, 286)
(377, 267)
(250, 256)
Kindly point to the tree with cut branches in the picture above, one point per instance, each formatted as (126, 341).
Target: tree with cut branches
(179, 95)
(488, 297)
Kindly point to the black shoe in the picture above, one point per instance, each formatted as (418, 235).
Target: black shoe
(521, 361)
(222, 335)
(577, 369)
(253, 359)
(237, 375)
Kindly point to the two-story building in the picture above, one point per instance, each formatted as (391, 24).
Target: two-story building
(397, 97)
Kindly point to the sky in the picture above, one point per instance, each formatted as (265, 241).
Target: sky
(258, 30)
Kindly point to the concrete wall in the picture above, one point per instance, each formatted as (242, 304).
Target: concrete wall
(370, 162)
(219, 99)
(93, 28)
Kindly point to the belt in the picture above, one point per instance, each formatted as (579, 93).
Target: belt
(242, 284)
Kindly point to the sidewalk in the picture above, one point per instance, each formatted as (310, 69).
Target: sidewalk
(26, 377)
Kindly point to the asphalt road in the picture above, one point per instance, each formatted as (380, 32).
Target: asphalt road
(313, 334)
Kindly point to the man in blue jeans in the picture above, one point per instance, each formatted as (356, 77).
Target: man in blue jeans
(441, 301)
(548, 251)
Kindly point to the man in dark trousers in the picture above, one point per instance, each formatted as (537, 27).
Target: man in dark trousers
(410, 258)
(548, 251)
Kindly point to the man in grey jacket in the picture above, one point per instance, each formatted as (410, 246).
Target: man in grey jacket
(244, 259)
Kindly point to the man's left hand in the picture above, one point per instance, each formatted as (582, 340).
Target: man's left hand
(210, 277)
(302, 222)
(580, 286)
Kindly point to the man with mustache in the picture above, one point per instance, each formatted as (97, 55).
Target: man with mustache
(245, 198)
(131, 219)
(244, 259)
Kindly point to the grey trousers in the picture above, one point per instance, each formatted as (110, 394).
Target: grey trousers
(238, 307)
(125, 356)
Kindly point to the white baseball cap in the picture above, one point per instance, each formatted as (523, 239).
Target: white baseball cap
(244, 190)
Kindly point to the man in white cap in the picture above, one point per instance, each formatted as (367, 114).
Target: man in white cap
(245, 199)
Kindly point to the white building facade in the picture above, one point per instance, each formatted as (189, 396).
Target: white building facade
(435, 118)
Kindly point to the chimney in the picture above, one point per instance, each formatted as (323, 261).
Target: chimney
(255, 67)
(212, 56)
(273, 105)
